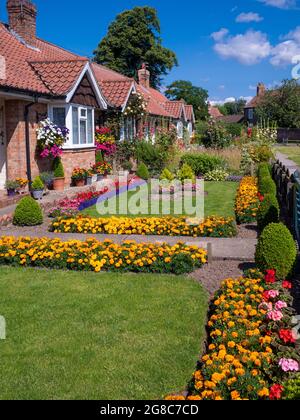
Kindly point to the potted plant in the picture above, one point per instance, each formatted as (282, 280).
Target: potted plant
(78, 176)
(37, 188)
(59, 175)
(11, 187)
(47, 179)
(22, 185)
(89, 177)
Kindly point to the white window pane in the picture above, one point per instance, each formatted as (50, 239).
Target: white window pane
(75, 125)
(59, 116)
(90, 128)
(83, 132)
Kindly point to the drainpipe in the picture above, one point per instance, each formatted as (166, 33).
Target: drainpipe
(27, 140)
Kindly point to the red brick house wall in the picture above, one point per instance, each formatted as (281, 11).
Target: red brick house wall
(16, 145)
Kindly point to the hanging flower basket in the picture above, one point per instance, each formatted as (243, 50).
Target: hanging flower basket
(50, 139)
(105, 141)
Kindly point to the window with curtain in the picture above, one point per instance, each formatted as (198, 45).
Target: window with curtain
(59, 116)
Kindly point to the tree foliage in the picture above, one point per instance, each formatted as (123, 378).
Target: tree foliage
(233, 108)
(193, 95)
(133, 38)
(281, 105)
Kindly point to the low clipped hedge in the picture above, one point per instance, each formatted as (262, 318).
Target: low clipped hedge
(201, 163)
(28, 213)
(268, 212)
(276, 250)
(267, 186)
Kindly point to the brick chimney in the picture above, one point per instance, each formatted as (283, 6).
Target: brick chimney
(261, 89)
(22, 19)
(144, 76)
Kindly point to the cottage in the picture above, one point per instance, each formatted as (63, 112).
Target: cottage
(249, 114)
(39, 80)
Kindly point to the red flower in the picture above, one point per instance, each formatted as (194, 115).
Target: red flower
(276, 392)
(260, 197)
(270, 277)
(287, 285)
(287, 336)
(266, 296)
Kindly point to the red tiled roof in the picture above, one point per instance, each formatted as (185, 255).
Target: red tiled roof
(105, 74)
(19, 72)
(254, 102)
(231, 119)
(116, 92)
(154, 107)
(59, 76)
(214, 112)
(174, 108)
(189, 112)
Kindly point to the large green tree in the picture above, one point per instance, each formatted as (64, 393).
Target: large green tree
(233, 108)
(192, 95)
(281, 105)
(133, 38)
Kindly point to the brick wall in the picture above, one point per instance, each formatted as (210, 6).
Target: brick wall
(16, 145)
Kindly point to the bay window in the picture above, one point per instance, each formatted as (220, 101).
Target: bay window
(79, 120)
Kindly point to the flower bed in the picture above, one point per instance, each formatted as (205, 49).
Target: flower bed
(251, 350)
(96, 256)
(247, 201)
(169, 226)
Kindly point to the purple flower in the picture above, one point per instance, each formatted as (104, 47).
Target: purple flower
(289, 365)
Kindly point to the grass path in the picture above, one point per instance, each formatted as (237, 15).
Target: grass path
(292, 152)
(86, 336)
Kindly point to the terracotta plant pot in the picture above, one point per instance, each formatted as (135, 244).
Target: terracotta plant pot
(80, 183)
(59, 184)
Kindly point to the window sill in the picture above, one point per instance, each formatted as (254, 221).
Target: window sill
(80, 148)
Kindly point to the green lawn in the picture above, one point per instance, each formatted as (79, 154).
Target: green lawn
(219, 201)
(87, 336)
(292, 152)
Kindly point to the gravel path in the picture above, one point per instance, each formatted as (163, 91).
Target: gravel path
(212, 275)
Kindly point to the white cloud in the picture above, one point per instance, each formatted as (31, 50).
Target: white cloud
(284, 53)
(249, 17)
(230, 99)
(280, 4)
(249, 48)
(295, 35)
(220, 35)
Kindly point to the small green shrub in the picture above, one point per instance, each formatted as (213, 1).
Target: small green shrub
(186, 173)
(28, 213)
(167, 175)
(47, 178)
(58, 168)
(217, 175)
(99, 157)
(37, 184)
(292, 389)
(268, 211)
(150, 155)
(143, 172)
(276, 250)
(202, 163)
(127, 166)
(266, 185)
(264, 170)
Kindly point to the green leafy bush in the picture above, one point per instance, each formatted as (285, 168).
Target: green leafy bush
(58, 168)
(202, 163)
(268, 211)
(28, 213)
(167, 175)
(47, 178)
(186, 173)
(143, 172)
(99, 157)
(150, 155)
(217, 136)
(264, 170)
(127, 165)
(234, 129)
(37, 184)
(276, 250)
(217, 175)
(181, 264)
(292, 389)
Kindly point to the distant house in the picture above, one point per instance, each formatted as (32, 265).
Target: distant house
(249, 110)
(214, 112)
(232, 119)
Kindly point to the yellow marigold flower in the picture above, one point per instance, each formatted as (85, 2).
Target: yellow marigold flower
(263, 393)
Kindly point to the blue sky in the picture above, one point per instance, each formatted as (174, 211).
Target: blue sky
(223, 46)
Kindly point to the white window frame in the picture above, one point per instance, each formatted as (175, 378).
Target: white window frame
(69, 124)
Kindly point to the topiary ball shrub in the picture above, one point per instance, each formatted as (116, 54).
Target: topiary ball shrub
(181, 264)
(268, 212)
(28, 213)
(186, 173)
(143, 172)
(276, 250)
(58, 168)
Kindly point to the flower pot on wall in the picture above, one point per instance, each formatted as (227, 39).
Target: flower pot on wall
(100, 177)
(11, 192)
(59, 184)
(89, 180)
(37, 194)
(94, 179)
